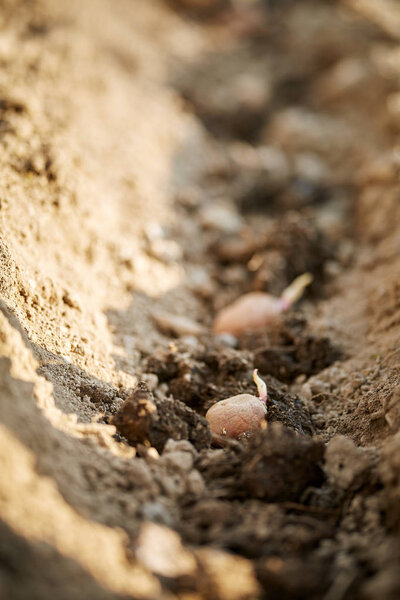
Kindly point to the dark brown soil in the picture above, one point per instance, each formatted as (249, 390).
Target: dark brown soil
(158, 160)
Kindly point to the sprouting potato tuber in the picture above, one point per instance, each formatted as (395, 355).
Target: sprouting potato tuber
(259, 309)
(239, 414)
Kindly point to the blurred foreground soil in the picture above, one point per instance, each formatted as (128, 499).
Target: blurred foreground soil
(157, 160)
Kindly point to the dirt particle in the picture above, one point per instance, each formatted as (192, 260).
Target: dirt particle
(143, 419)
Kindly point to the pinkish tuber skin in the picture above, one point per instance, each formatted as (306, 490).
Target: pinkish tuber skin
(240, 414)
(258, 309)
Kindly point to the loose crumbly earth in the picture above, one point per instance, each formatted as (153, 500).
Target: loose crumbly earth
(157, 160)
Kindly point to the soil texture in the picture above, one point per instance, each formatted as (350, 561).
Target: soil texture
(159, 159)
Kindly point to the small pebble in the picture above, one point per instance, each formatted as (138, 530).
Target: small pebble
(166, 250)
(219, 216)
(151, 380)
(226, 339)
(177, 324)
(181, 461)
(179, 446)
(157, 513)
(195, 483)
(160, 549)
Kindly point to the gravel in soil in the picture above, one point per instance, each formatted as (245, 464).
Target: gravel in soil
(158, 162)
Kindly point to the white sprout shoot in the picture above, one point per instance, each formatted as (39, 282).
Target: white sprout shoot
(295, 290)
(261, 386)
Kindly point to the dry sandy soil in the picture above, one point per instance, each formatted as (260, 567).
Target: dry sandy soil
(158, 159)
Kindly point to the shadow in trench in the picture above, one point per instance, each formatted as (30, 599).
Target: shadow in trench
(84, 473)
(25, 572)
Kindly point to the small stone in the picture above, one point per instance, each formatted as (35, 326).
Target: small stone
(154, 231)
(190, 341)
(347, 75)
(252, 91)
(190, 197)
(173, 486)
(157, 513)
(179, 446)
(195, 483)
(71, 300)
(151, 380)
(220, 216)
(239, 582)
(181, 461)
(275, 163)
(200, 282)
(233, 274)
(237, 249)
(305, 392)
(176, 324)
(311, 167)
(227, 339)
(140, 474)
(244, 156)
(152, 454)
(332, 269)
(162, 391)
(160, 549)
(165, 250)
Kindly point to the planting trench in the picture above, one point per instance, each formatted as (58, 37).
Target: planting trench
(157, 162)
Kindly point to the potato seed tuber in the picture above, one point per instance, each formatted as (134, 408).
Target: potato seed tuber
(239, 414)
(259, 309)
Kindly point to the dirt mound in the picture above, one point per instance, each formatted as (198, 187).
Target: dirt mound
(159, 159)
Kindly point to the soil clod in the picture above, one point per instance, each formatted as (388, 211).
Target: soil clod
(142, 419)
